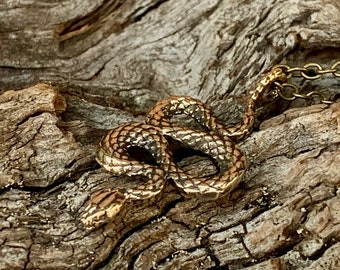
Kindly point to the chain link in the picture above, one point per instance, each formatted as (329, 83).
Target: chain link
(310, 71)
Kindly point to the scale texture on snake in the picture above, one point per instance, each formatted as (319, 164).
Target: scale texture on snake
(213, 139)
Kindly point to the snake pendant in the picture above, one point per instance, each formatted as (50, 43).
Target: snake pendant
(213, 139)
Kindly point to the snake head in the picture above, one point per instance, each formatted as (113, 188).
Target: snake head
(103, 206)
(264, 88)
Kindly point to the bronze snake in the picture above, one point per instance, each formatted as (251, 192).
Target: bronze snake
(214, 139)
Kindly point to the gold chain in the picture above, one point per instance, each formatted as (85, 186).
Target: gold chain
(311, 71)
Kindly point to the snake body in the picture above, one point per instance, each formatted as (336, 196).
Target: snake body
(214, 139)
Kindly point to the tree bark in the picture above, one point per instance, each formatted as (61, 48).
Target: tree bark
(97, 64)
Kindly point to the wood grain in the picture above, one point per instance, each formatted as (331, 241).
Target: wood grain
(104, 63)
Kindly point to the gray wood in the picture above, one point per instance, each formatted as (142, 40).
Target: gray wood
(102, 63)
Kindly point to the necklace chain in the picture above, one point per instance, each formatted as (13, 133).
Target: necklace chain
(311, 71)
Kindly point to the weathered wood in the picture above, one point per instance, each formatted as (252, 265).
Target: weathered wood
(108, 63)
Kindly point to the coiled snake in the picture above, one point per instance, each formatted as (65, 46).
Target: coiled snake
(215, 140)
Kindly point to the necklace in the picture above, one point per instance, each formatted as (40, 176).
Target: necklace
(116, 150)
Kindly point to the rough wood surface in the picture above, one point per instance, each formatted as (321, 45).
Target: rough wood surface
(107, 62)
